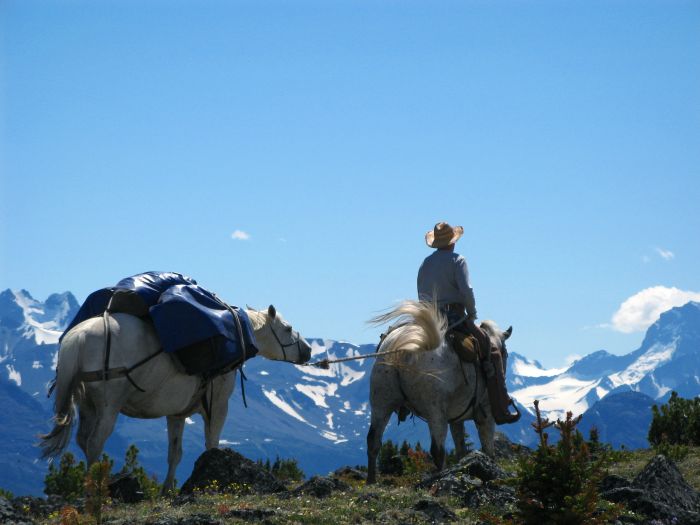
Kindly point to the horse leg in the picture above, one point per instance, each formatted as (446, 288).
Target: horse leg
(87, 417)
(102, 429)
(380, 418)
(438, 433)
(487, 428)
(458, 435)
(215, 417)
(176, 426)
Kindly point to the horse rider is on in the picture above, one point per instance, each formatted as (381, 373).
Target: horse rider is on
(443, 278)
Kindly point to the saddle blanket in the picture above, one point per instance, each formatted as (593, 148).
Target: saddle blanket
(207, 335)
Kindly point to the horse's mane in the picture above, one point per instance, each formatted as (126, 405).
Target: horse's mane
(491, 327)
(256, 317)
(420, 326)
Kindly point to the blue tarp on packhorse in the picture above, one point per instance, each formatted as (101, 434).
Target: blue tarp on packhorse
(184, 315)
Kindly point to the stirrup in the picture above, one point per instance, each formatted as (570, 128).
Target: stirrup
(508, 417)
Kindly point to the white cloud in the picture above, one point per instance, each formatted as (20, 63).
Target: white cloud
(641, 310)
(665, 254)
(240, 235)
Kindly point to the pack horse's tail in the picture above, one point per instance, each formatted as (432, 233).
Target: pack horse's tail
(66, 387)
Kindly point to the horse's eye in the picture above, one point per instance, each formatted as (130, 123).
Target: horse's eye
(289, 329)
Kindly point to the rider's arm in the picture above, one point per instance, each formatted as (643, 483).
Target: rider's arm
(465, 289)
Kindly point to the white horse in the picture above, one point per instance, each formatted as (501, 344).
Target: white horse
(168, 391)
(423, 374)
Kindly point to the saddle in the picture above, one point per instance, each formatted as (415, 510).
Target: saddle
(465, 346)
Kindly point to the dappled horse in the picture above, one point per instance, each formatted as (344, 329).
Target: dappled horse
(422, 373)
(168, 391)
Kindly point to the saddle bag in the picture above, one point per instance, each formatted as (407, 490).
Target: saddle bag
(465, 346)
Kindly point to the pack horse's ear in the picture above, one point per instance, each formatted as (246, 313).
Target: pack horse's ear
(508, 333)
(271, 311)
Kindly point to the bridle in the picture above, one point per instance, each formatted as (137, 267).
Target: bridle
(296, 340)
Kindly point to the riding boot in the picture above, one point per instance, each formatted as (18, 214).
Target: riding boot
(492, 365)
(498, 393)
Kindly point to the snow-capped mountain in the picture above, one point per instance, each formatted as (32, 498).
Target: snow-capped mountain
(321, 417)
(29, 332)
(668, 359)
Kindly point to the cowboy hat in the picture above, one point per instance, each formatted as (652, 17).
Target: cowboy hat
(443, 235)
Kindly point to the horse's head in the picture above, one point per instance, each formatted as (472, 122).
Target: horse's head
(498, 337)
(277, 339)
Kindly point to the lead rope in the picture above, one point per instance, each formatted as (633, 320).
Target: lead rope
(325, 363)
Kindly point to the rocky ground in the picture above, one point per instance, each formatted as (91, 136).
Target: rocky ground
(226, 488)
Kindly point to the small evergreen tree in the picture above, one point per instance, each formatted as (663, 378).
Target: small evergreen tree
(559, 484)
(676, 422)
(97, 488)
(389, 461)
(287, 469)
(67, 479)
(149, 484)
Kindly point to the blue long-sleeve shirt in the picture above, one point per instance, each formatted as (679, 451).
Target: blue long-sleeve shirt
(444, 277)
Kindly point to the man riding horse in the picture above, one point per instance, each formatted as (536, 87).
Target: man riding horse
(443, 278)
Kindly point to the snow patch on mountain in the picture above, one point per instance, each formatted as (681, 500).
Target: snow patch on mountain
(529, 368)
(647, 362)
(285, 407)
(562, 393)
(14, 375)
(318, 393)
(36, 325)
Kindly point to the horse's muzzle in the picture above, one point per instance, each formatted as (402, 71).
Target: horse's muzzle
(304, 354)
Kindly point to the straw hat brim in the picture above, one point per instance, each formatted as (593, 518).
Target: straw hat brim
(443, 242)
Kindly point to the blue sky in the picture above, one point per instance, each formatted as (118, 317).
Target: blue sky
(564, 136)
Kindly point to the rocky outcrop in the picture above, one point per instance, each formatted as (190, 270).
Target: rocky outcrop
(476, 480)
(41, 507)
(350, 473)
(224, 470)
(11, 516)
(659, 492)
(435, 511)
(127, 489)
(193, 519)
(254, 515)
(506, 449)
(320, 487)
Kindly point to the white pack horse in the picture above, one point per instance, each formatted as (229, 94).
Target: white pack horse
(168, 391)
(423, 374)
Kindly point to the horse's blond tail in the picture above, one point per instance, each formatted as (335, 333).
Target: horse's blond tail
(422, 327)
(66, 386)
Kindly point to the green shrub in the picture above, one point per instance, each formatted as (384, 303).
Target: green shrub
(675, 423)
(67, 479)
(675, 452)
(149, 484)
(558, 484)
(6, 494)
(389, 461)
(287, 469)
(284, 469)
